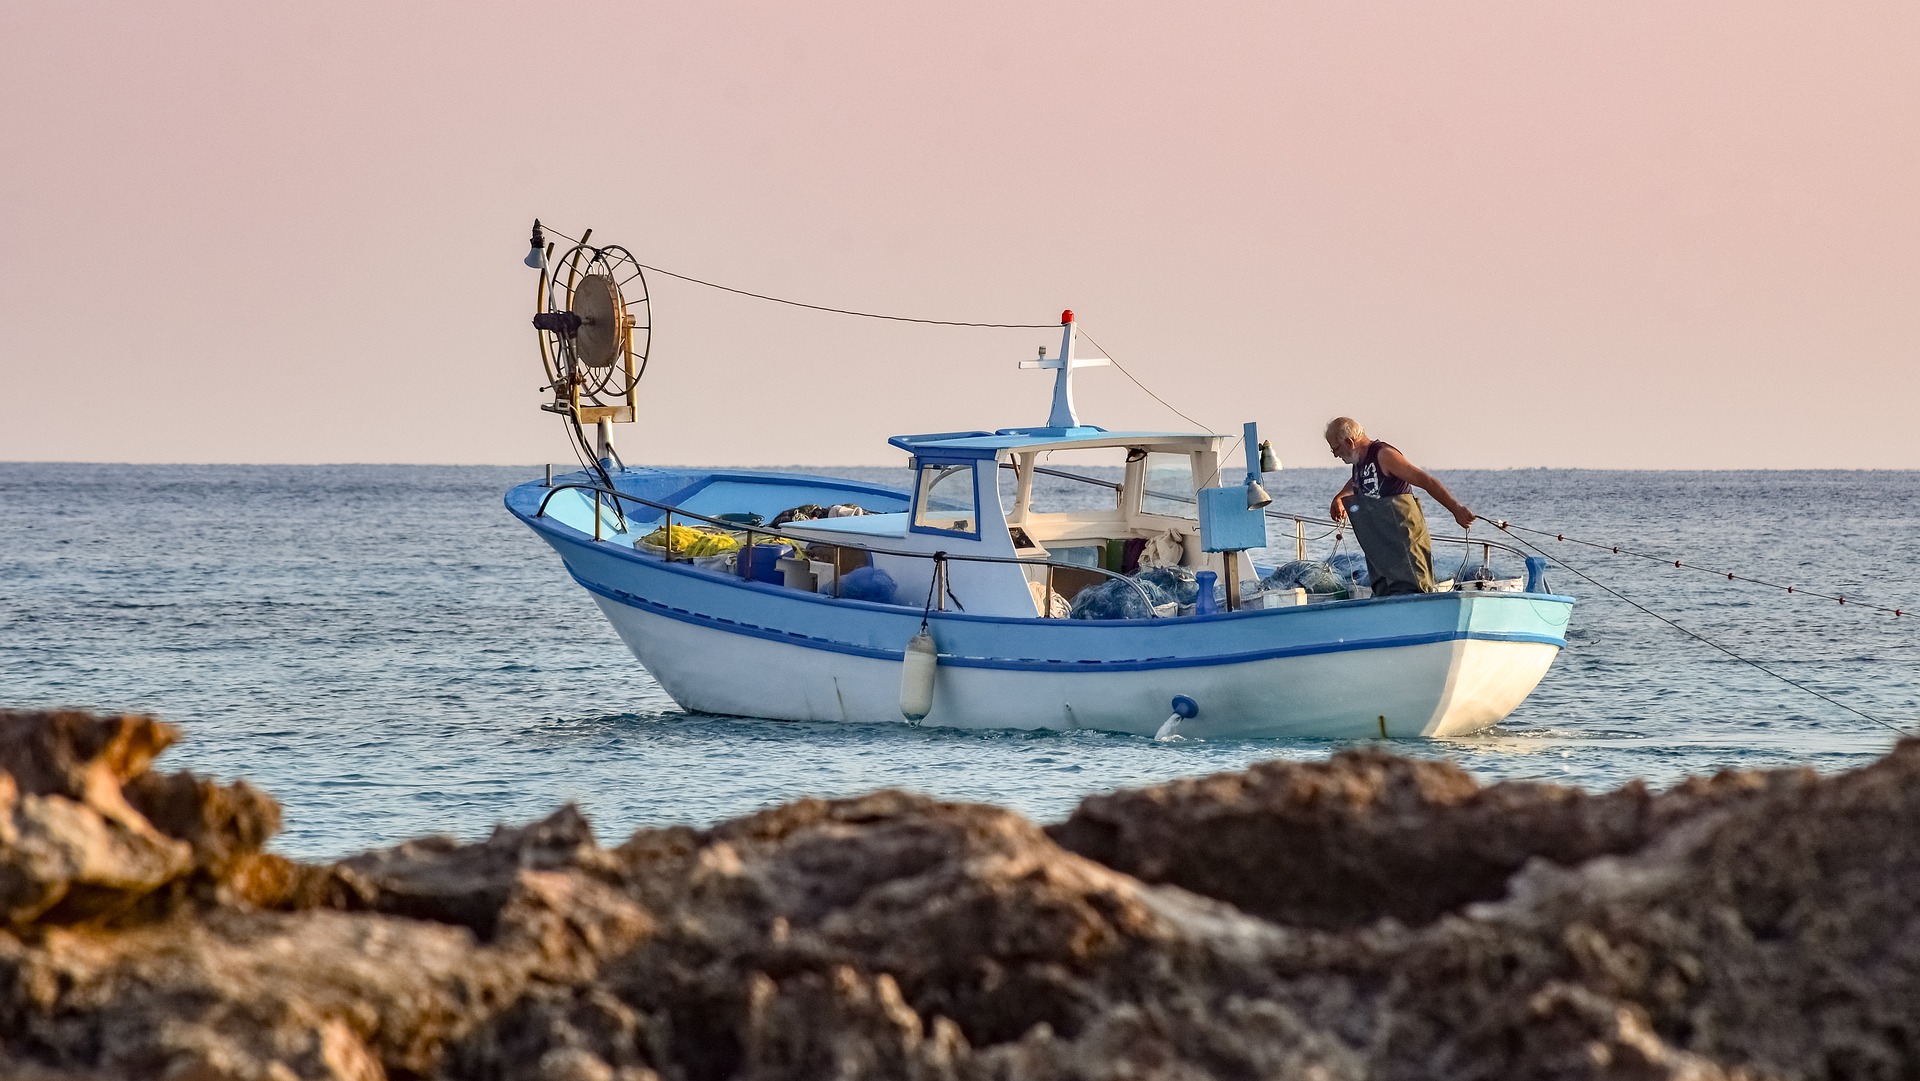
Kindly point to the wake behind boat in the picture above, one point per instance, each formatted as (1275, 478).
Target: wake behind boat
(963, 602)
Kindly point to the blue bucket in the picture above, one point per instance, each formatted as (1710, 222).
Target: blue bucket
(763, 563)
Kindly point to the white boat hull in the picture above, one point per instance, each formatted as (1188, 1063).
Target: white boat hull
(1430, 689)
(1438, 664)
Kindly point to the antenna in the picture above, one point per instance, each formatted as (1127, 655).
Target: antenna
(1063, 414)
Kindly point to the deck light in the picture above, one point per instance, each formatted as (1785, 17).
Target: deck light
(536, 256)
(1257, 496)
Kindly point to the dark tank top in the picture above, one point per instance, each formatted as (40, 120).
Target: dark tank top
(1374, 482)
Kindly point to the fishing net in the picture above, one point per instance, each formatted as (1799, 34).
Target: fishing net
(1116, 598)
(1351, 567)
(1176, 582)
(868, 584)
(1308, 574)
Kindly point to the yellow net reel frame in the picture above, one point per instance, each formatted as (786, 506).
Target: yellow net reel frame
(584, 405)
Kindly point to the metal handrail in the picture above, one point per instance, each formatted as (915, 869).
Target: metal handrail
(735, 527)
(1277, 515)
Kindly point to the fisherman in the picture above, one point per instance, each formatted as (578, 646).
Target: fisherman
(1385, 513)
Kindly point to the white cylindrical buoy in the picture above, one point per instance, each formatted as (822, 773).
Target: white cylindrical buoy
(916, 678)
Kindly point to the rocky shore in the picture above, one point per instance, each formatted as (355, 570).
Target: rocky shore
(1365, 917)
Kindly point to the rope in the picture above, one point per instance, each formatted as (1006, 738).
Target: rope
(848, 311)
(933, 583)
(910, 319)
(1589, 579)
(1123, 371)
(823, 307)
(1684, 565)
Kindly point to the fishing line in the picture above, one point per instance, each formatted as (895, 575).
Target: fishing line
(1684, 565)
(1503, 526)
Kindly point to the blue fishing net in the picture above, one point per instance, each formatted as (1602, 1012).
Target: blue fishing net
(1351, 567)
(1116, 598)
(1308, 574)
(867, 584)
(1176, 582)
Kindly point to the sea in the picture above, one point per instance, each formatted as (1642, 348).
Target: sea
(390, 654)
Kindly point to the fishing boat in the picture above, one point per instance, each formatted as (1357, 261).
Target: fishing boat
(952, 601)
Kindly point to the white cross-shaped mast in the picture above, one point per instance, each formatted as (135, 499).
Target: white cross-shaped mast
(1063, 415)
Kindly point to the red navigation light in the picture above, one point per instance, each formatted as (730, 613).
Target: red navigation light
(1066, 317)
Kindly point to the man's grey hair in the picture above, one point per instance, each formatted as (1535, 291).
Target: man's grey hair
(1341, 429)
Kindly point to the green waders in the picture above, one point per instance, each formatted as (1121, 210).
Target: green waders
(1393, 534)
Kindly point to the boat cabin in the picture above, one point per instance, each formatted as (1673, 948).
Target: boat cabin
(973, 495)
(973, 499)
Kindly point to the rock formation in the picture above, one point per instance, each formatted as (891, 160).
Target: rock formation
(1365, 917)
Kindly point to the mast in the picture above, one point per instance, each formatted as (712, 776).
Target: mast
(1063, 414)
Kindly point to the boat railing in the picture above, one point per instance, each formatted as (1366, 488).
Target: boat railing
(743, 566)
(1486, 546)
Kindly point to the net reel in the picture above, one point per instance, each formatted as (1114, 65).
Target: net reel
(594, 323)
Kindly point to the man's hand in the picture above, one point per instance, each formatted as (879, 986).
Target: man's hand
(1338, 512)
(1464, 517)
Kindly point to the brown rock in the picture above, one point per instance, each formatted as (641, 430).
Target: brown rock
(62, 862)
(235, 994)
(224, 824)
(86, 833)
(1363, 836)
(1746, 926)
(82, 757)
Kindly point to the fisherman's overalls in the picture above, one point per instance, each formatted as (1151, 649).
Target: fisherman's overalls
(1390, 527)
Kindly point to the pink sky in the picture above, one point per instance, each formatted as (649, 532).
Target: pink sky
(1501, 234)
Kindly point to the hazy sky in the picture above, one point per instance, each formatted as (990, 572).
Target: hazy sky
(1502, 234)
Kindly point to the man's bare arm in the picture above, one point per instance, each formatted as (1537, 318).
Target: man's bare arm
(1338, 512)
(1396, 465)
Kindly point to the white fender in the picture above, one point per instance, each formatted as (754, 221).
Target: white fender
(916, 678)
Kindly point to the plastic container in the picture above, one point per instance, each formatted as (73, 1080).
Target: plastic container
(796, 574)
(764, 563)
(1278, 598)
(823, 574)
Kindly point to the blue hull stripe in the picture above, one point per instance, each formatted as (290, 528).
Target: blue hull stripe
(560, 533)
(1024, 664)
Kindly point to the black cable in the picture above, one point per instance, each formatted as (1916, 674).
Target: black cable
(1123, 371)
(592, 464)
(1589, 579)
(823, 307)
(848, 311)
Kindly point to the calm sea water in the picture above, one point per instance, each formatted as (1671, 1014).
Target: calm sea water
(390, 654)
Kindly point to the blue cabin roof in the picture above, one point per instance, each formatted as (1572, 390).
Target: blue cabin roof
(990, 444)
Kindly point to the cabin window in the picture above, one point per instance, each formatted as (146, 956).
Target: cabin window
(1168, 486)
(1008, 482)
(1052, 494)
(946, 500)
